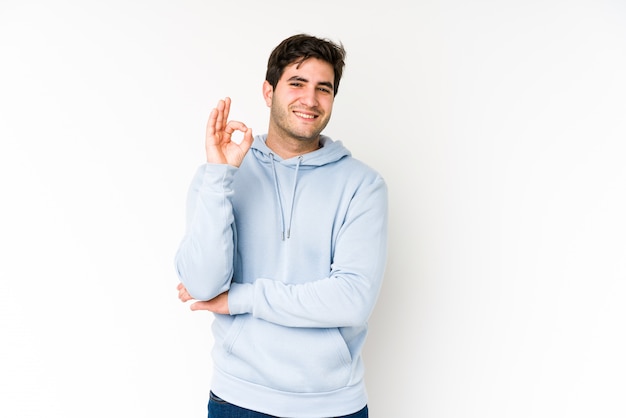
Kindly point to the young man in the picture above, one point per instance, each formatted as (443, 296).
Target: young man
(286, 243)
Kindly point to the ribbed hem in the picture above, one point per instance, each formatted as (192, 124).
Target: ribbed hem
(258, 398)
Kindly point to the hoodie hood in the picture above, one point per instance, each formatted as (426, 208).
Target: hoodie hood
(329, 152)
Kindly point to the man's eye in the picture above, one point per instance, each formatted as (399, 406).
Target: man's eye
(296, 84)
(323, 89)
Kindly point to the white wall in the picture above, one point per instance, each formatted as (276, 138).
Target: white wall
(499, 127)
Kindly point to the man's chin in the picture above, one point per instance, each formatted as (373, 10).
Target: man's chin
(306, 136)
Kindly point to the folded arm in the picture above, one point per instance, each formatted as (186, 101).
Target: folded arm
(346, 297)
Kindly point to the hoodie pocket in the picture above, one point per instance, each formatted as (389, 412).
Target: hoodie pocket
(303, 360)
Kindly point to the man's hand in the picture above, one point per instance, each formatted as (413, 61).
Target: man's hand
(218, 304)
(220, 149)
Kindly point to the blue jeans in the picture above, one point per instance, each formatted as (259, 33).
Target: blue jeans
(219, 408)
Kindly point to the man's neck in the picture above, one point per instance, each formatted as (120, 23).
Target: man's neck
(289, 148)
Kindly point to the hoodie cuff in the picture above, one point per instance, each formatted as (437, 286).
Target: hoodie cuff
(217, 176)
(240, 298)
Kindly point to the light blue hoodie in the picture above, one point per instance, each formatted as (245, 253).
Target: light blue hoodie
(301, 244)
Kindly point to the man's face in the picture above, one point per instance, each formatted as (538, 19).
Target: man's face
(302, 102)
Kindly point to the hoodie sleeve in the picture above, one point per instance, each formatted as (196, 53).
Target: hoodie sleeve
(204, 260)
(348, 295)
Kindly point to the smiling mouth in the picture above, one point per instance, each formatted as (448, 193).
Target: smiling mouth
(305, 115)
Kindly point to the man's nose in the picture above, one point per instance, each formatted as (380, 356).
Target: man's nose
(309, 97)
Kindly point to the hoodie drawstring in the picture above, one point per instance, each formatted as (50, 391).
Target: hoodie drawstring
(293, 196)
(280, 202)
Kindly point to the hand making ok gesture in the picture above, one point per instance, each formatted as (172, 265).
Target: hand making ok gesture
(220, 149)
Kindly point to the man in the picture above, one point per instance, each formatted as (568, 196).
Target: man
(286, 243)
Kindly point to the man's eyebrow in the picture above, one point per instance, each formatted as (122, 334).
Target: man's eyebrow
(298, 78)
(304, 80)
(327, 84)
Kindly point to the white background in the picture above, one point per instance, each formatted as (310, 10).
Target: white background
(499, 126)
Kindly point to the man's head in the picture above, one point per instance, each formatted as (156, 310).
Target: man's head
(298, 48)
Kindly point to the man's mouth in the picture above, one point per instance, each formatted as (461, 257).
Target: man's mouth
(305, 115)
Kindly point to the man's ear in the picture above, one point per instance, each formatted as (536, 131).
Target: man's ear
(268, 92)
